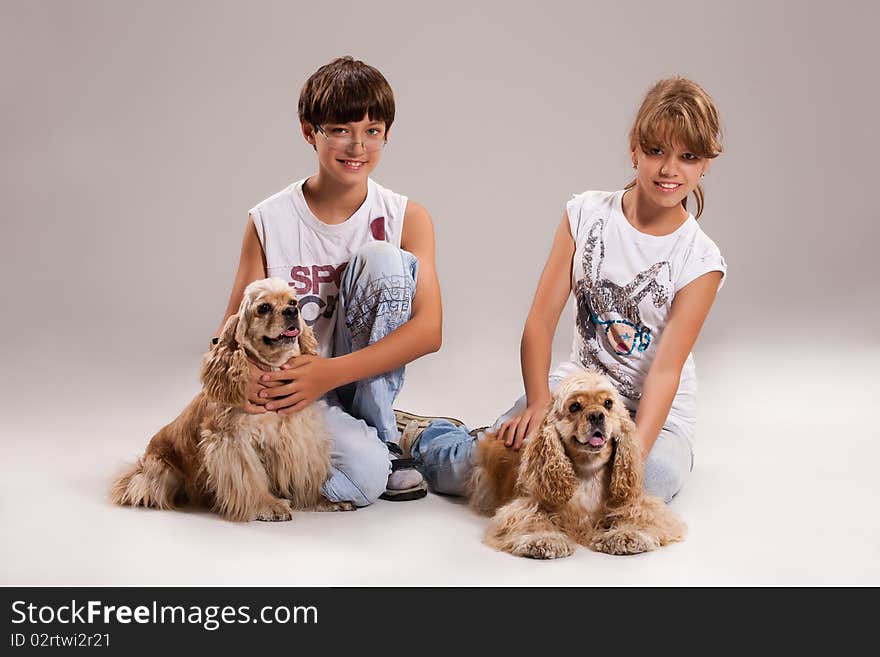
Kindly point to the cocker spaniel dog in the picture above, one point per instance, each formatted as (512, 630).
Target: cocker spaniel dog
(214, 454)
(577, 481)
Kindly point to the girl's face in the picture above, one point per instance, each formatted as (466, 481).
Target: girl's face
(347, 152)
(667, 174)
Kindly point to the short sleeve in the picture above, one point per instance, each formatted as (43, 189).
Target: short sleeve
(257, 219)
(573, 210)
(702, 262)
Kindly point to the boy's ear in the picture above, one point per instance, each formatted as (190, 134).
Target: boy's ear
(308, 132)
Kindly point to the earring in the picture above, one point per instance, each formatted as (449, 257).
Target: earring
(635, 166)
(702, 175)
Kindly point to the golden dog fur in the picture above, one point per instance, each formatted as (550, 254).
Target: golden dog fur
(243, 466)
(560, 490)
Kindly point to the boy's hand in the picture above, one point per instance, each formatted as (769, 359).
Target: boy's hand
(515, 430)
(299, 382)
(253, 402)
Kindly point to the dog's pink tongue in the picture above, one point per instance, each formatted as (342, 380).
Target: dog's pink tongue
(596, 441)
(291, 333)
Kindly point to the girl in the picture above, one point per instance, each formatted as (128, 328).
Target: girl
(644, 276)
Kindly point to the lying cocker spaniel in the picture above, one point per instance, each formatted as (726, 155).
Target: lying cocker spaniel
(579, 480)
(214, 454)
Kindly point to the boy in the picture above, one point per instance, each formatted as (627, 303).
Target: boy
(361, 260)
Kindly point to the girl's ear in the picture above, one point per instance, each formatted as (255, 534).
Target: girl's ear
(225, 368)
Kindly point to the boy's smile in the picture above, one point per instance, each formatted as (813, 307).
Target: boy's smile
(348, 151)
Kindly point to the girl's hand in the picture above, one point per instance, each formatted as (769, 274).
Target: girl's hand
(299, 382)
(515, 430)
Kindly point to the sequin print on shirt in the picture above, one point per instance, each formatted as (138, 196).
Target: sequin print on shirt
(608, 317)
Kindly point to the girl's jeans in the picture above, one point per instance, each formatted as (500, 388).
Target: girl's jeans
(448, 453)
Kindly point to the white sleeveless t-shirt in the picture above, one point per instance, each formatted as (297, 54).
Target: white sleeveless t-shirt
(311, 255)
(624, 282)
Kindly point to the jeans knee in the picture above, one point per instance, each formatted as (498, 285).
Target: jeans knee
(663, 478)
(378, 257)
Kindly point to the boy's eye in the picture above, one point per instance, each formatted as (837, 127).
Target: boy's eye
(374, 132)
(339, 131)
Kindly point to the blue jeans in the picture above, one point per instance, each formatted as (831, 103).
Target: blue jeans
(448, 453)
(375, 298)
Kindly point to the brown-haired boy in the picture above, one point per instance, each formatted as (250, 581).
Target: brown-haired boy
(361, 259)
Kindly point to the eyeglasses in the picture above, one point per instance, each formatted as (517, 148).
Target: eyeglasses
(343, 140)
(624, 336)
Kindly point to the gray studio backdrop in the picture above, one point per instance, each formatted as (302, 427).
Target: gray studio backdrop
(136, 136)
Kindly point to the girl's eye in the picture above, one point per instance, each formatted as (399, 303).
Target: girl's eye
(655, 151)
(690, 157)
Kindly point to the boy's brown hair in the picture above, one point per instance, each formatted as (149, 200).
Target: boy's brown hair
(344, 91)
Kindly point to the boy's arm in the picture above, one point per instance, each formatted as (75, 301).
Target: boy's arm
(422, 334)
(690, 307)
(553, 290)
(251, 267)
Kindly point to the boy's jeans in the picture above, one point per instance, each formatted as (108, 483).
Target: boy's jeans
(447, 453)
(375, 298)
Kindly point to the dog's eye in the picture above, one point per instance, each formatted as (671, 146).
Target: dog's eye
(263, 308)
(608, 403)
(292, 303)
(575, 407)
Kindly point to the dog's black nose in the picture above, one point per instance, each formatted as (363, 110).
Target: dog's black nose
(597, 419)
(290, 311)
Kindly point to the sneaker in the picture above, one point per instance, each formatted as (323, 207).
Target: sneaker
(411, 427)
(405, 482)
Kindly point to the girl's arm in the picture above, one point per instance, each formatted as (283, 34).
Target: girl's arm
(553, 290)
(312, 376)
(690, 307)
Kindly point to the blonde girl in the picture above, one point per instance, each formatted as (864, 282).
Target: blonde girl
(644, 276)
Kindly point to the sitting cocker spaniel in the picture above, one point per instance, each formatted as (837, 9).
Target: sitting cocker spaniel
(214, 454)
(577, 481)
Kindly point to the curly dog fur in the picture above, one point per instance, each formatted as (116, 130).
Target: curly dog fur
(214, 454)
(579, 480)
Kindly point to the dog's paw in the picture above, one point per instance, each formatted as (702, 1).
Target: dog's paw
(341, 506)
(625, 541)
(276, 510)
(546, 546)
(326, 505)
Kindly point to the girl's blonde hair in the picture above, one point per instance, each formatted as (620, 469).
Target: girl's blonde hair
(678, 111)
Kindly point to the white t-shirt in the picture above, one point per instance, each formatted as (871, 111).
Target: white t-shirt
(624, 282)
(311, 255)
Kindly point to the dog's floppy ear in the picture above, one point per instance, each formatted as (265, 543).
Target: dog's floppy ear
(225, 368)
(627, 468)
(308, 343)
(546, 471)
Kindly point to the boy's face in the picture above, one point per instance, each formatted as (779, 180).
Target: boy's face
(348, 152)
